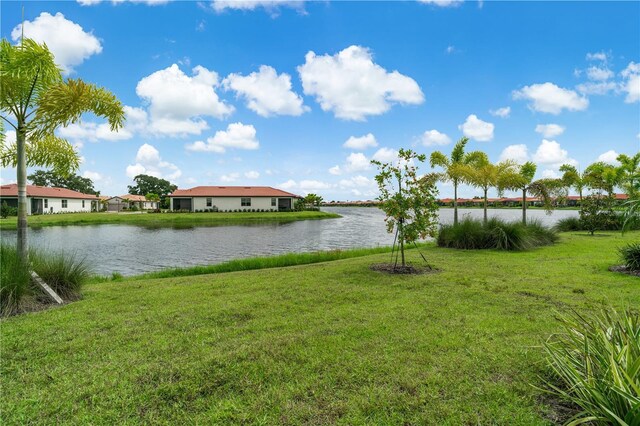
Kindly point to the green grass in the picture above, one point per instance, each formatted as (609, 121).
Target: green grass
(328, 343)
(248, 264)
(15, 280)
(165, 219)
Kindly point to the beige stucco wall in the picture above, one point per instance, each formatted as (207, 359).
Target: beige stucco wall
(234, 203)
(55, 205)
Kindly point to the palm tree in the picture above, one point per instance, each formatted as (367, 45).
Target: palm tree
(573, 178)
(522, 181)
(456, 167)
(629, 170)
(486, 175)
(35, 100)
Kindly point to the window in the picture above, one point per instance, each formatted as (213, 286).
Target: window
(209, 204)
(273, 202)
(83, 204)
(245, 202)
(46, 203)
(64, 204)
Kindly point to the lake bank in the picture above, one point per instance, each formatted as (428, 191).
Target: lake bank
(335, 342)
(165, 219)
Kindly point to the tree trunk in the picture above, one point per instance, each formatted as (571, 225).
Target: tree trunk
(401, 224)
(524, 206)
(455, 202)
(485, 207)
(22, 245)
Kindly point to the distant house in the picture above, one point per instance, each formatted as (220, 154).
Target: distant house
(232, 198)
(125, 202)
(42, 199)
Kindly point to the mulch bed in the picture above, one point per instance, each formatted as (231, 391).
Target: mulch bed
(624, 270)
(390, 268)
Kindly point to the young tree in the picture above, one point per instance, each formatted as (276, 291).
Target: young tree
(146, 184)
(572, 178)
(485, 175)
(455, 168)
(313, 199)
(601, 176)
(154, 198)
(408, 200)
(629, 171)
(72, 181)
(34, 101)
(596, 212)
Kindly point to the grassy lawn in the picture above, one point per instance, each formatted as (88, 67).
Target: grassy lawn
(164, 219)
(316, 344)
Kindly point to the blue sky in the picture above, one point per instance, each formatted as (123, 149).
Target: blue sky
(301, 95)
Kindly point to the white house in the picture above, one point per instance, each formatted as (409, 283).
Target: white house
(232, 198)
(43, 199)
(121, 202)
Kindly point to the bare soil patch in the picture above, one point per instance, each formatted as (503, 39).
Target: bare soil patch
(391, 268)
(624, 270)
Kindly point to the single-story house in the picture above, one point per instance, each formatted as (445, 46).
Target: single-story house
(125, 202)
(42, 199)
(232, 198)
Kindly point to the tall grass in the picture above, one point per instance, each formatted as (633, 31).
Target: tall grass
(596, 359)
(617, 223)
(289, 259)
(15, 280)
(631, 256)
(471, 234)
(64, 272)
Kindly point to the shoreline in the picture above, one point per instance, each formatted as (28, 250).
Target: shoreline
(165, 219)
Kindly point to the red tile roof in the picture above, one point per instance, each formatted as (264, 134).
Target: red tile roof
(232, 191)
(11, 190)
(132, 197)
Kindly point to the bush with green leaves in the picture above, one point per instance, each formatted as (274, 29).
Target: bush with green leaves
(569, 224)
(473, 234)
(6, 210)
(596, 213)
(631, 256)
(595, 363)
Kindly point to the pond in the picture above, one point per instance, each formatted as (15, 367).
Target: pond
(132, 250)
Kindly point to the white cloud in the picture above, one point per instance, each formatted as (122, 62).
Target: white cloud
(517, 153)
(94, 176)
(252, 174)
(386, 155)
(177, 101)
(503, 112)
(357, 181)
(632, 84)
(357, 161)
(68, 42)
(10, 137)
(599, 88)
(597, 56)
(550, 153)
(477, 129)
(442, 3)
(549, 98)
(231, 177)
(305, 186)
(335, 170)
(149, 162)
(353, 87)
(609, 157)
(450, 49)
(550, 174)
(433, 138)
(266, 92)
(269, 5)
(237, 136)
(550, 130)
(136, 121)
(599, 73)
(362, 142)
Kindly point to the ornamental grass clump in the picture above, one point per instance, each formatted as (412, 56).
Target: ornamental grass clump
(65, 273)
(595, 362)
(473, 234)
(631, 256)
(15, 280)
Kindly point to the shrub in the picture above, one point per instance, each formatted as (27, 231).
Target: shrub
(6, 210)
(596, 214)
(596, 360)
(472, 234)
(569, 224)
(65, 273)
(631, 256)
(15, 280)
